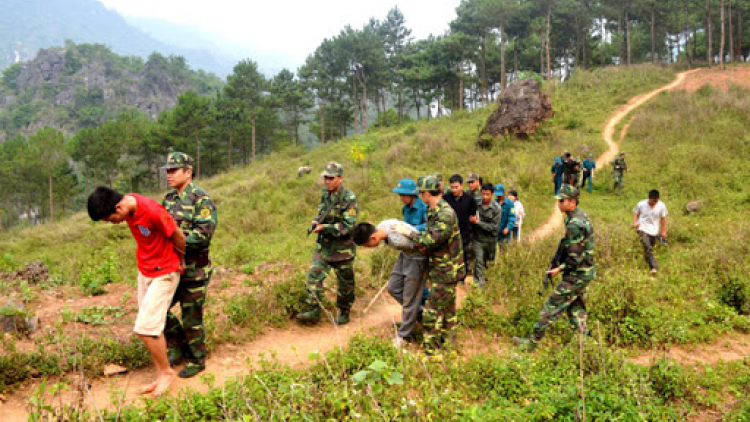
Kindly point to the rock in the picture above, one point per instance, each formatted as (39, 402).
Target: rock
(113, 369)
(694, 206)
(14, 318)
(303, 170)
(34, 272)
(522, 108)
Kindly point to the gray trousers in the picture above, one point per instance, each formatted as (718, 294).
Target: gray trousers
(484, 252)
(648, 242)
(406, 285)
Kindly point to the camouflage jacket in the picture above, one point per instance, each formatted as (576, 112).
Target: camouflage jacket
(489, 222)
(477, 194)
(442, 239)
(619, 162)
(195, 214)
(335, 241)
(578, 246)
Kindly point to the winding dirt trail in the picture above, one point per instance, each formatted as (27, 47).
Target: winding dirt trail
(294, 344)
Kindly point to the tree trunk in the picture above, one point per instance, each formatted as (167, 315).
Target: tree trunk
(366, 107)
(721, 43)
(229, 150)
(252, 123)
(627, 36)
(400, 101)
(604, 45)
(322, 114)
(687, 38)
(584, 47)
(483, 69)
(51, 207)
(541, 55)
(198, 155)
(503, 76)
(549, 26)
(416, 103)
(461, 85)
(355, 105)
(515, 58)
(731, 33)
(619, 40)
(739, 32)
(709, 30)
(653, 34)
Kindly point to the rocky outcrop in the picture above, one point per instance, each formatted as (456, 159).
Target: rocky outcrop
(521, 109)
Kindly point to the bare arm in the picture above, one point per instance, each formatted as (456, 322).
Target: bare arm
(663, 225)
(635, 220)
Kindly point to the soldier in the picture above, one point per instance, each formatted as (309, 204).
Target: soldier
(577, 267)
(475, 188)
(557, 174)
(335, 248)
(485, 232)
(619, 167)
(442, 240)
(507, 216)
(195, 214)
(589, 165)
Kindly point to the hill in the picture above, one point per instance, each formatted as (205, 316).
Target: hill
(26, 26)
(78, 86)
(688, 145)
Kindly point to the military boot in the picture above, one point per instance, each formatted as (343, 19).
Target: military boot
(343, 318)
(193, 368)
(525, 344)
(310, 317)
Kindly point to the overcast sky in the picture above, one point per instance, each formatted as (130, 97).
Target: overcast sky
(289, 28)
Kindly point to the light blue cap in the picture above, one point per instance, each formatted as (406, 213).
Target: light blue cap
(499, 190)
(558, 160)
(406, 187)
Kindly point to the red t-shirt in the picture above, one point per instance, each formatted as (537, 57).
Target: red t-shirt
(152, 226)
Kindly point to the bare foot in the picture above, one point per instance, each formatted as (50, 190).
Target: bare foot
(162, 383)
(148, 387)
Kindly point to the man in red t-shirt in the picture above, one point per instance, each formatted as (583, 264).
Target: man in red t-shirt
(161, 259)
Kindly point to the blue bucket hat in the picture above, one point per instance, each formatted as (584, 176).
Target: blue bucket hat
(499, 190)
(406, 187)
(591, 155)
(558, 160)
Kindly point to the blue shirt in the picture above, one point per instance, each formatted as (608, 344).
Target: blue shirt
(557, 169)
(588, 165)
(507, 217)
(416, 214)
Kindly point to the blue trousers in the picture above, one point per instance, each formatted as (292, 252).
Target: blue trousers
(587, 176)
(558, 184)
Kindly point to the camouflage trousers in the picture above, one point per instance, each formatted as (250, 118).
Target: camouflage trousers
(439, 317)
(568, 297)
(190, 334)
(469, 257)
(484, 253)
(318, 271)
(619, 181)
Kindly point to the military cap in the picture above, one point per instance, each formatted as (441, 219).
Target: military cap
(333, 169)
(406, 187)
(558, 160)
(567, 192)
(438, 176)
(621, 154)
(499, 189)
(429, 182)
(179, 160)
(472, 177)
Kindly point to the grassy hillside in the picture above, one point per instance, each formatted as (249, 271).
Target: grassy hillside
(689, 146)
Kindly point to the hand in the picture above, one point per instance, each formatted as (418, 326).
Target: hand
(318, 227)
(401, 229)
(553, 272)
(505, 232)
(664, 235)
(473, 219)
(183, 266)
(636, 225)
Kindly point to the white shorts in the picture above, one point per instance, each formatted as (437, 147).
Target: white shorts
(154, 297)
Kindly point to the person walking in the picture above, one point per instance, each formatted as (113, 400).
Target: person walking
(589, 165)
(520, 214)
(577, 268)
(486, 226)
(557, 174)
(466, 209)
(507, 216)
(619, 167)
(334, 249)
(650, 221)
(194, 211)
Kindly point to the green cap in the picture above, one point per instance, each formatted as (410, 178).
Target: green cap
(179, 160)
(438, 176)
(472, 177)
(429, 182)
(333, 169)
(567, 192)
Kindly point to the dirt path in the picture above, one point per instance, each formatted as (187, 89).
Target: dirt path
(293, 345)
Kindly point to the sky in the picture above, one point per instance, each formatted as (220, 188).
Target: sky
(292, 29)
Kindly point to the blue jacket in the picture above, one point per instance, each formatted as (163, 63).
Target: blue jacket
(588, 165)
(557, 170)
(507, 218)
(416, 215)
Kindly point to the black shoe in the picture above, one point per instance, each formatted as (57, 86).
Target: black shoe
(343, 318)
(310, 317)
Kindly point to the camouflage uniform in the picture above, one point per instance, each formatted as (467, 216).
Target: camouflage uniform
(577, 267)
(442, 239)
(335, 248)
(485, 233)
(195, 214)
(618, 174)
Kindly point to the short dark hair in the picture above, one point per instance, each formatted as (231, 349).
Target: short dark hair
(435, 192)
(514, 193)
(362, 232)
(456, 178)
(102, 202)
(488, 186)
(480, 180)
(567, 155)
(653, 194)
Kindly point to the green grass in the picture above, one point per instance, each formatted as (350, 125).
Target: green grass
(689, 146)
